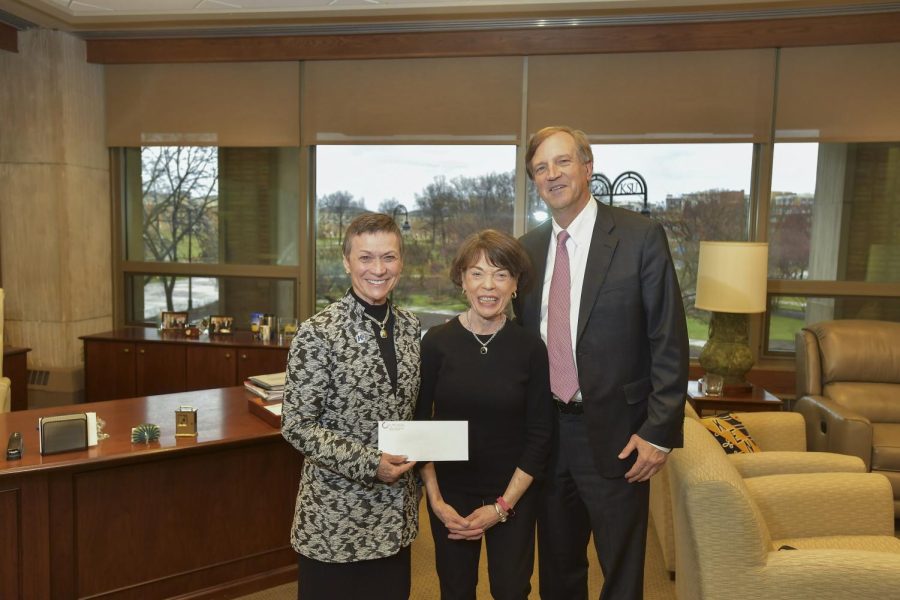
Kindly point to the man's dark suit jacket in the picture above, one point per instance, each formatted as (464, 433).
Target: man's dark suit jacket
(632, 343)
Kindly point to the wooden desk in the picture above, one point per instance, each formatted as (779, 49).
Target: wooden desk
(755, 400)
(15, 366)
(194, 517)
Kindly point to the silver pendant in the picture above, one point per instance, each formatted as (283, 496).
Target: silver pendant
(484, 349)
(383, 334)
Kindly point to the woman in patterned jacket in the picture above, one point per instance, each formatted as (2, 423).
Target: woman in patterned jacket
(351, 365)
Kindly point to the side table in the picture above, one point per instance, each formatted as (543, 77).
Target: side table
(755, 400)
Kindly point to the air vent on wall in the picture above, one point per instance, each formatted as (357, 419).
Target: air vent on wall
(38, 377)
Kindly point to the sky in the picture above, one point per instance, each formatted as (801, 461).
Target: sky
(377, 173)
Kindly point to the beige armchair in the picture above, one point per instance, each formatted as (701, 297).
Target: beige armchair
(781, 436)
(848, 390)
(4, 381)
(729, 530)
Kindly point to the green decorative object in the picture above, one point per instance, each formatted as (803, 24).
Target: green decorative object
(144, 433)
(727, 353)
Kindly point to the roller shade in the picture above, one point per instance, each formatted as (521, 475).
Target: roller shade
(210, 104)
(655, 97)
(464, 100)
(839, 94)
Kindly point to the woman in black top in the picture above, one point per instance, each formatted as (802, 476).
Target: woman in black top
(482, 369)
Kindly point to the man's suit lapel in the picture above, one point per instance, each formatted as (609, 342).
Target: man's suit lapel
(538, 252)
(603, 246)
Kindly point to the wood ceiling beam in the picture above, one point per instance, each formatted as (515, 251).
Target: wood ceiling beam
(766, 33)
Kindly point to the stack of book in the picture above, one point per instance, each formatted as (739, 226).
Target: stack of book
(268, 387)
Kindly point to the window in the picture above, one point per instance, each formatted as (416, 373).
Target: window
(697, 191)
(443, 193)
(210, 230)
(832, 235)
(789, 314)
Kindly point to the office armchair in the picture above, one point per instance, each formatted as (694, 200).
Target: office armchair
(4, 381)
(781, 436)
(848, 390)
(730, 531)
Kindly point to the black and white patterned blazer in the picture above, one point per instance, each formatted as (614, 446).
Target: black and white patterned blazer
(336, 392)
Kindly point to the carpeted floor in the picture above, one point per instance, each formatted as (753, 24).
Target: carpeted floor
(657, 585)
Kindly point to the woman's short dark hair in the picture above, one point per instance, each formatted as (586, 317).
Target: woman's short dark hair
(500, 249)
(371, 223)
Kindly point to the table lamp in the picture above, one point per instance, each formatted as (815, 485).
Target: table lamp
(731, 283)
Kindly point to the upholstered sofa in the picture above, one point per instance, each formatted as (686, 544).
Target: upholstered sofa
(781, 437)
(812, 535)
(848, 390)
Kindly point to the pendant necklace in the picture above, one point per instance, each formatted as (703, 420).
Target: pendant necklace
(484, 345)
(382, 325)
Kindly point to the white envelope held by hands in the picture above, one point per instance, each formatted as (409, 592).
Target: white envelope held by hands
(425, 440)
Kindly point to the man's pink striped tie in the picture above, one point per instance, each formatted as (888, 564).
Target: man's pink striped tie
(563, 375)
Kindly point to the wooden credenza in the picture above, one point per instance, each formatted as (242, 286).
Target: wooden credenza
(198, 517)
(139, 361)
(15, 366)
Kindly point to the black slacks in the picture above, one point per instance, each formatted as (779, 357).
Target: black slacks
(510, 550)
(378, 579)
(577, 501)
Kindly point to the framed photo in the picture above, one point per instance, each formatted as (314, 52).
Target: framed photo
(220, 324)
(173, 320)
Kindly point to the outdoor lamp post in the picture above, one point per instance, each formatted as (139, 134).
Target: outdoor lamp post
(406, 226)
(731, 283)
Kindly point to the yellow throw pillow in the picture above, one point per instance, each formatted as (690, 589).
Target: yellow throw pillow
(730, 433)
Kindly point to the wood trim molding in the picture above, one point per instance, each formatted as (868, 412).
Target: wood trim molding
(763, 33)
(9, 38)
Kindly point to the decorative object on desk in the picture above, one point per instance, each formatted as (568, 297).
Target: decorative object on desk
(711, 384)
(101, 424)
(287, 328)
(255, 318)
(144, 433)
(268, 327)
(220, 324)
(173, 320)
(731, 283)
(192, 331)
(63, 433)
(186, 421)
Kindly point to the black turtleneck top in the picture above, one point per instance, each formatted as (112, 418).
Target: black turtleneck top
(385, 345)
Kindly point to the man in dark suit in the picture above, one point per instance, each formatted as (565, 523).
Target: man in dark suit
(609, 307)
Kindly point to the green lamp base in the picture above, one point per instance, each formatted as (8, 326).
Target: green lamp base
(727, 353)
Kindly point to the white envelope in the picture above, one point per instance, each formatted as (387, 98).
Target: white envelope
(425, 440)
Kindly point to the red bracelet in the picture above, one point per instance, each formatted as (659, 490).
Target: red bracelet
(506, 507)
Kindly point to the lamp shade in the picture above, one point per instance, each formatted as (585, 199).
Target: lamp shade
(731, 277)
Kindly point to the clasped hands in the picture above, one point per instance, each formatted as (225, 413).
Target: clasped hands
(471, 527)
